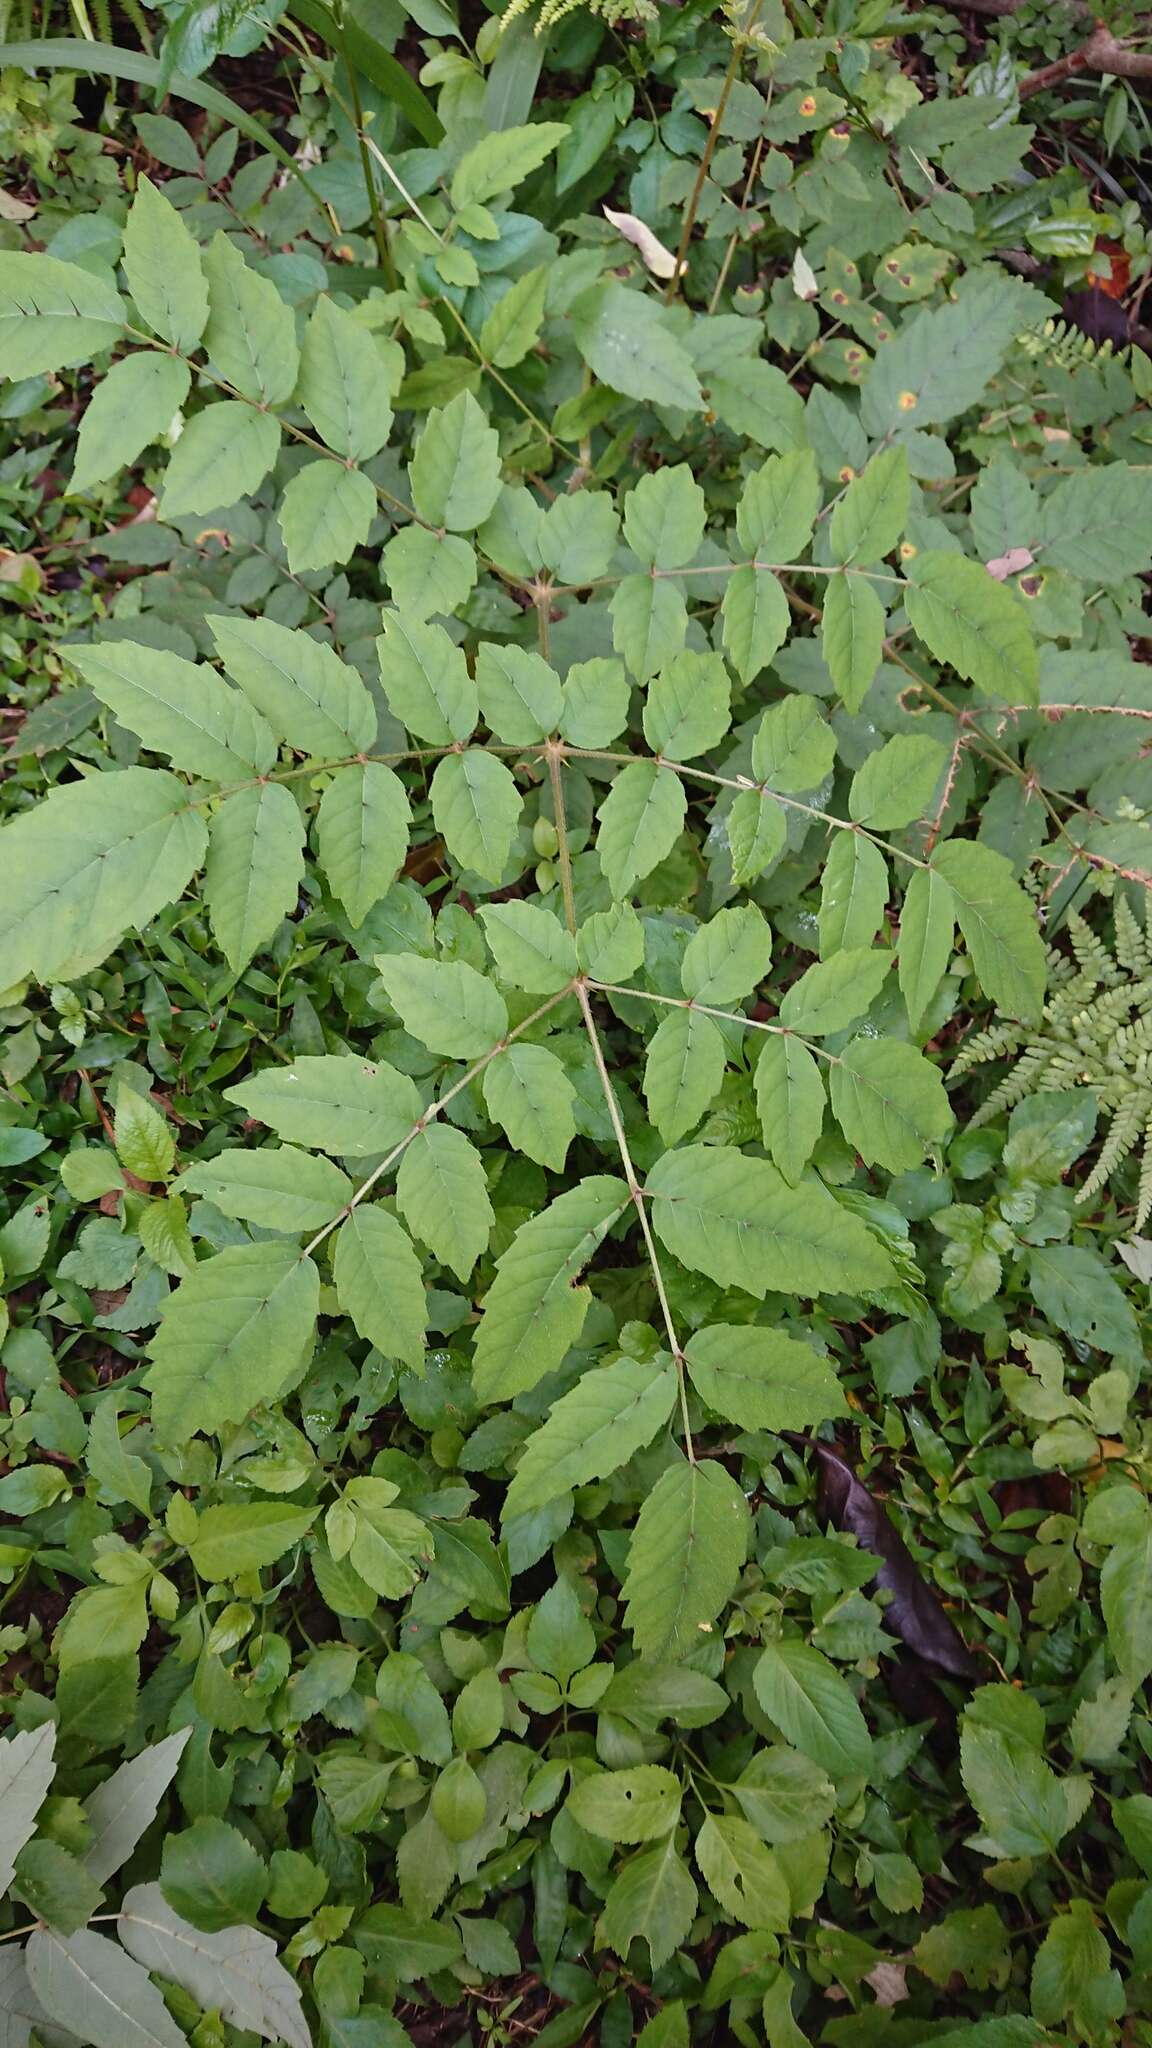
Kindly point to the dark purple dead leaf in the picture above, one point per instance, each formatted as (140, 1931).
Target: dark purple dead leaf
(913, 1613)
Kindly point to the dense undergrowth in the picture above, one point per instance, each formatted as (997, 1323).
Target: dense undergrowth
(575, 996)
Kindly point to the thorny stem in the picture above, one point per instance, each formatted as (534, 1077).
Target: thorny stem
(739, 43)
(637, 1195)
(563, 851)
(434, 1110)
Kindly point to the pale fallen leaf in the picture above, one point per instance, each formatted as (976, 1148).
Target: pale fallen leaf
(1003, 566)
(14, 209)
(803, 277)
(888, 1981)
(659, 260)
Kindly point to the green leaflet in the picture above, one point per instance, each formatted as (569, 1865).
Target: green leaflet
(223, 455)
(611, 1412)
(476, 805)
(998, 923)
(813, 1706)
(927, 926)
(756, 620)
(520, 696)
(973, 624)
(760, 1379)
(533, 1312)
(250, 336)
(794, 747)
(134, 405)
(52, 314)
(852, 636)
(686, 710)
(442, 1195)
(727, 957)
(445, 1004)
(344, 386)
(897, 782)
(94, 858)
(683, 1072)
(853, 894)
(889, 1102)
(778, 507)
(362, 829)
(531, 948)
(380, 1284)
(237, 1332)
(164, 268)
(455, 470)
(325, 515)
(308, 695)
(276, 1187)
(426, 680)
(627, 1806)
(790, 1102)
(871, 516)
(528, 1093)
(735, 1219)
(335, 1102)
(253, 871)
(835, 992)
(640, 821)
(179, 708)
(664, 517)
(685, 1556)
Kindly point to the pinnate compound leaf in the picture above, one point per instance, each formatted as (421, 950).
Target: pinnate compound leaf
(927, 928)
(529, 1094)
(897, 782)
(531, 948)
(236, 1333)
(343, 385)
(760, 1379)
(235, 1972)
(325, 515)
(380, 1283)
(426, 680)
(687, 1550)
(890, 1102)
(974, 625)
(362, 831)
(640, 821)
(534, 1311)
(124, 1805)
(813, 1706)
(223, 455)
(53, 314)
(309, 696)
(130, 408)
(254, 868)
(444, 1003)
(611, 1412)
(88, 1985)
(852, 636)
(335, 1102)
(999, 925)
(653, 1899)
(179, 708)
(737, 1220)
(27, 1764)
(683, 1071)
(635, 1805)
(790, 1101)
(442, 1194)
(476, 807)
(93, 859)
(164, 268)
(455, 470)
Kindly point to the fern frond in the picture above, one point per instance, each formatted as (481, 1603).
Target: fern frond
(1123, 1132)
(1132, 949)
(1066, 347)
(1144, 1189)
(990, 1044)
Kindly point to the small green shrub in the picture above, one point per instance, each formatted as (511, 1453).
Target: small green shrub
(497, 873)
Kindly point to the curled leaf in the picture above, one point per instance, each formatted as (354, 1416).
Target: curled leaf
(659, 260)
